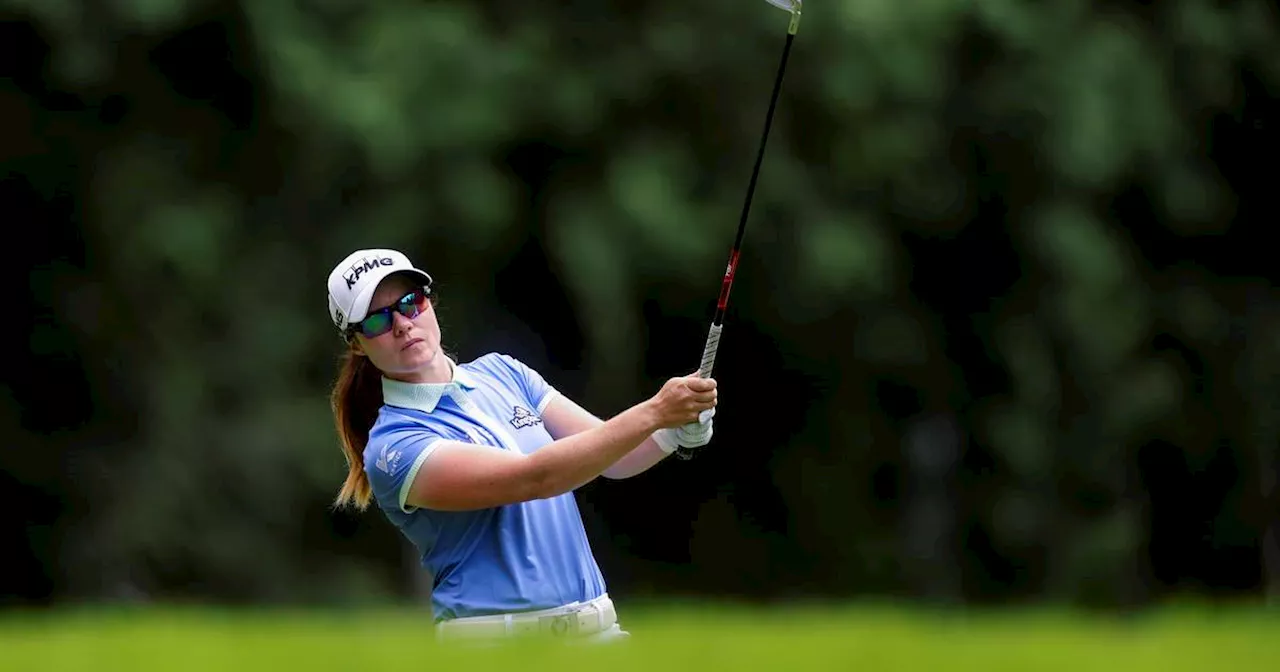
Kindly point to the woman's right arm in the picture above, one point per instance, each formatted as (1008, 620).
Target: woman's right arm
(461, 476)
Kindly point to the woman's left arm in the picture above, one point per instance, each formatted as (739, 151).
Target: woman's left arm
(563, 417)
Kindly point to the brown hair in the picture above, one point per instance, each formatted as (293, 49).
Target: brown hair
(356, 400)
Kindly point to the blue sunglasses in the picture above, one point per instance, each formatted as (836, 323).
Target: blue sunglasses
(380, 321)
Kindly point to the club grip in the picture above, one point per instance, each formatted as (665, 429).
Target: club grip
(704, 371)
(709, 351)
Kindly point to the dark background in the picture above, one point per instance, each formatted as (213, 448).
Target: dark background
(1005, 329)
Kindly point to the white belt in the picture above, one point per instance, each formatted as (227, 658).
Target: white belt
(570, 620)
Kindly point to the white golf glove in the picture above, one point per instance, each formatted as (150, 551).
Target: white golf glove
(692, 435)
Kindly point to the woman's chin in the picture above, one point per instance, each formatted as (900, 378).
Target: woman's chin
(417, 356)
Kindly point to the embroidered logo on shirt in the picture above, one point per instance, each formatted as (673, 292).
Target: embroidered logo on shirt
(524, 418)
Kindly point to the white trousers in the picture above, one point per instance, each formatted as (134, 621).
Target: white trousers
(594, 621)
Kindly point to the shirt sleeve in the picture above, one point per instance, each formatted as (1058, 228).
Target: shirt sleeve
(393, 462)
(533, 386)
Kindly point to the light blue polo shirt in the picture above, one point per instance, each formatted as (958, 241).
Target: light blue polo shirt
(519, 557)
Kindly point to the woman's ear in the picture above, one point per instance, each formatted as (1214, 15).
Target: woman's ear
(356, 348)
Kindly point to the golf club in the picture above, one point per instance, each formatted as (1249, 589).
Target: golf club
(717, 323)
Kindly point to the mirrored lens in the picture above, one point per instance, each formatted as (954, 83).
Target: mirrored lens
(412, 303)
(376, 324)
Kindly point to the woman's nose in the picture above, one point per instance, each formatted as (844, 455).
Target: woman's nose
(401, 323)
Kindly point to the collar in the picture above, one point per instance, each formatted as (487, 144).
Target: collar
(425, 396)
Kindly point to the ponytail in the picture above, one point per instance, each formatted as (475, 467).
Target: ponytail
(356, 400)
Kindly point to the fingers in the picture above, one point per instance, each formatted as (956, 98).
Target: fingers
(700, 384)
(704, 391)
(694, 382)
(690, 398)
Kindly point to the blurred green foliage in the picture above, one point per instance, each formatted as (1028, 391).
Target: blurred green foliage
(210, 227)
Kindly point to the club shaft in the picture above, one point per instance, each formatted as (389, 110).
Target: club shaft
(713, 337)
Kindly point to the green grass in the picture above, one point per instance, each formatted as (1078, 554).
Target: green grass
(709, 640)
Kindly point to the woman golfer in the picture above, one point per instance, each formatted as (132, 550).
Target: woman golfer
(476, 462)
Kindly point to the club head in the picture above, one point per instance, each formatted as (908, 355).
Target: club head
(788, 5)
(792, 7)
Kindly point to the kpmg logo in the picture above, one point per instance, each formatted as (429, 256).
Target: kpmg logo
(365, 265)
